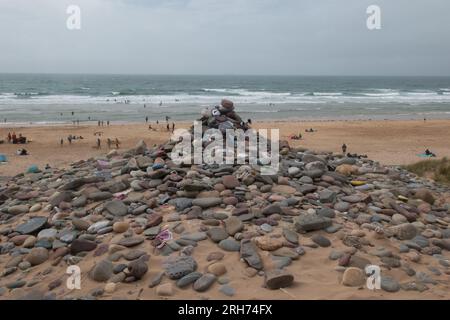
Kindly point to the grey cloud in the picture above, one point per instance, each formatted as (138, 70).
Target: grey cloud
(226, 37)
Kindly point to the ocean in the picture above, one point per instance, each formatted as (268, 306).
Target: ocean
(40, 99)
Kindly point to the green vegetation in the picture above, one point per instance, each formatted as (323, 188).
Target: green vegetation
(438, 170)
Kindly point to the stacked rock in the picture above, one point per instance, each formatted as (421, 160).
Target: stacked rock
(222, 117)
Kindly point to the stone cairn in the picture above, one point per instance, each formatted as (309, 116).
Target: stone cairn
(122, 209)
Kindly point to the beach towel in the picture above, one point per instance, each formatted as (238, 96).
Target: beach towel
(424, 155)
(3, 158)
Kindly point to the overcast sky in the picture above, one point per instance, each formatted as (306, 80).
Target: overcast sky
(295, 37)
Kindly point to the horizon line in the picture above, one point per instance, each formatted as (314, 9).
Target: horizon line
(219, 74)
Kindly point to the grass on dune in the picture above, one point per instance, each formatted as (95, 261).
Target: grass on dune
(438, 170)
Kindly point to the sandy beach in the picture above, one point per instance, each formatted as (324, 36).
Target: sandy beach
(390, 142)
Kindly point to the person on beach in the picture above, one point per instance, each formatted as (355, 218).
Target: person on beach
(9, 137)
(146, 119)
(117, 143)
(109, 143)
(98, 123)
(22, 152)
(21, 139)
(168, 126)
(173, 127)
(107, 123)
(69, 138)
(344, 148)
(99, 143)
(61, 142)
(249, 121)
(429, 153)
